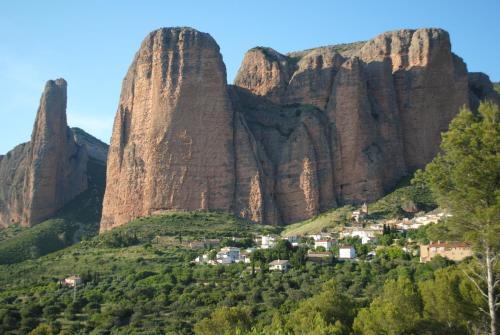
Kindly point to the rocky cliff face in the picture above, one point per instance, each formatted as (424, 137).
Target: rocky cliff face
(430, 84)
(172, 143)
(12, 174)
(297, 134)
(387, 101)
(39, 177)
(291, 151)
(96, 149)
(56, 172)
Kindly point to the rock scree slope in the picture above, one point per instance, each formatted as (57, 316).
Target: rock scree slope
(296, 134)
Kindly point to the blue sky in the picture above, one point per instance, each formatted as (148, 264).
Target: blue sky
(91, 43)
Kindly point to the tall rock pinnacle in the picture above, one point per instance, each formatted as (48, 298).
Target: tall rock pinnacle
(172, 141)
(57, 169)
(41, 176)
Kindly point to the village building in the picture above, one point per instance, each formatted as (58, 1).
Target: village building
(245, 257)
(431, 217)
(315, 237)
(360, 214)
(407, 224)
(366, 235)
(327, 244)
(201, 259)
(320, 257)
(294, 240)
(455, 251)
(347, 252)
(72, 281)
(228, 255)
(267, 241)
(280, 265)
(196, 245)
(418, 221)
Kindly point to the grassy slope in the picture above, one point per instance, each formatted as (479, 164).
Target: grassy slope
(78, 219)
(322, 222)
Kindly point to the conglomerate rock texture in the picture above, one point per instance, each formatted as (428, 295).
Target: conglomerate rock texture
(12, 174)
(387, 101)
(39, 177)
(297, 134)
(172, 142)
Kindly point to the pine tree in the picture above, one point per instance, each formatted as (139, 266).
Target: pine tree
(465, 179)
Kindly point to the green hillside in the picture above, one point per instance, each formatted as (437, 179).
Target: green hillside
(404, 201)
(80, 219)
(188, 225)
(133, 285)
(320, 223)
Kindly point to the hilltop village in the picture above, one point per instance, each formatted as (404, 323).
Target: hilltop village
(360, 239)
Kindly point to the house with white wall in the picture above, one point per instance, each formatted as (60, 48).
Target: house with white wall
(347, 252)
(327, 244)
(228, 255)
(267, 241)
(279, 265)
(365, 234)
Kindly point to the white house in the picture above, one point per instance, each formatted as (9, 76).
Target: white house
(201, 259)
(267, 241)
(327, 244)
(228, 255)
(365, 234)
(224, 260)
(347, 252)
(279, 265)
(245, 257)
(292, 239)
